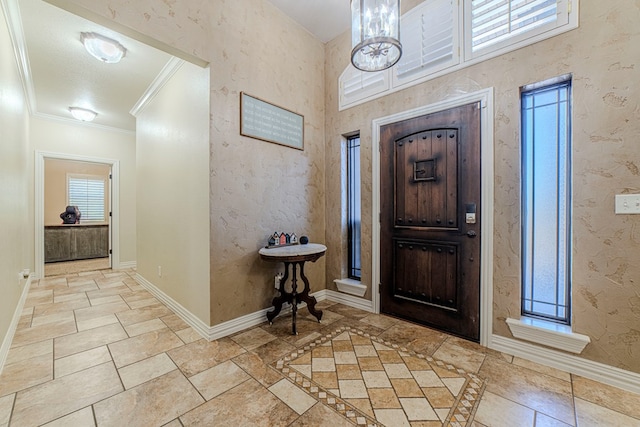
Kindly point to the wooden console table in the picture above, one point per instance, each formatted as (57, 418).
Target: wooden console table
(70, 242)
(295, 256)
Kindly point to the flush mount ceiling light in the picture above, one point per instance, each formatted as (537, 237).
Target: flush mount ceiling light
(83, 114)
(103, 48)
(375, 34)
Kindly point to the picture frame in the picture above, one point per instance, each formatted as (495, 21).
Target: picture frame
(268, 122)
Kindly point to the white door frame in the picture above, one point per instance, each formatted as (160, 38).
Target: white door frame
(40, 157)
(485, 97)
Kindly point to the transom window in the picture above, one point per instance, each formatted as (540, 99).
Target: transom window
(497, 23)
(441, 36)
(546, 195)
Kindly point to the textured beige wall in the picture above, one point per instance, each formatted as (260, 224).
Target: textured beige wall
(256, 187)
(259, 187)
(603, 56)
(58, 137)
(172, 151)
(16, 249)
(55, 186)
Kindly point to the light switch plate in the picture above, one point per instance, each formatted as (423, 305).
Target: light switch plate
(627, 204)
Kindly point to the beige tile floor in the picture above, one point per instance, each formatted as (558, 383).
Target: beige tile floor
(70, 267)
(95, 348)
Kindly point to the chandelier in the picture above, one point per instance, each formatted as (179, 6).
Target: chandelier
(375, 34)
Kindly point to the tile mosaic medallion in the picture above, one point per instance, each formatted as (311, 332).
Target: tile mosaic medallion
(372, 382)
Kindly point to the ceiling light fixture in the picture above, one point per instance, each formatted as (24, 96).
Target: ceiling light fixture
(375, 34)
(83, 114)
(103, 48)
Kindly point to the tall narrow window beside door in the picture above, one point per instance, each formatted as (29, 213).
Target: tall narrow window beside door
(546, 196)
(353, 206)
(87, 193)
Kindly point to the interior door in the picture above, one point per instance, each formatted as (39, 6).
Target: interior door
(430, 220)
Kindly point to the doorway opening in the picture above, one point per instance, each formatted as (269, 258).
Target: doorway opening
(76, 217)
(57, 242)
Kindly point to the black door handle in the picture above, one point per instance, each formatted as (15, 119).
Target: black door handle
(471, 233)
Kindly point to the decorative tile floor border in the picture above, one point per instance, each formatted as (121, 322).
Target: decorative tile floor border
(460, 414)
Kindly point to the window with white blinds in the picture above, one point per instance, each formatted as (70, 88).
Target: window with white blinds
(356, 85)
(87, 193)
(499, 23)
(441, 36)
(429, 40)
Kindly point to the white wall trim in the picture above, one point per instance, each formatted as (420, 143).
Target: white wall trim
(254, 319)
(169, 69)
(548, 333)
(40, 157)
(126, 264)
(14, 23)
(74, 122)
(223, 329)
(8, 338)
(350, 300)
(485, 97)
(606, 374)
(351, 286)
(191, 319)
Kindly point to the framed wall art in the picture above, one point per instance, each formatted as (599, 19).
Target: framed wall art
(262, 120)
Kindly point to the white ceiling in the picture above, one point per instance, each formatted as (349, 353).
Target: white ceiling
(325, 19)
(61, 73)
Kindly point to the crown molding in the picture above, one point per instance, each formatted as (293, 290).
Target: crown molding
(170, 68)
(11, 10)
(74, 122)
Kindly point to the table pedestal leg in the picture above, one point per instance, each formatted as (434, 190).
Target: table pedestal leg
(280, 299)
(294, 300)
(310, 300)
(294, 297)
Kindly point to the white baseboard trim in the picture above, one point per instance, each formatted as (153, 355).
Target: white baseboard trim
(201, 327)
(253, 319)
(606, 374)
(350, 300)
(8, 338)
(126, 264)
(225, 328)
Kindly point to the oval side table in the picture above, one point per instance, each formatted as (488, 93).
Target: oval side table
(296, 256)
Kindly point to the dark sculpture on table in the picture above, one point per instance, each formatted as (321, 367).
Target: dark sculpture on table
(71, 215)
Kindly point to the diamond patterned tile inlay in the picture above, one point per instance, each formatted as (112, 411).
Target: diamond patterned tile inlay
(345, 367)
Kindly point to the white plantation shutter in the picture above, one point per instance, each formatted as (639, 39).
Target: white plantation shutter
(429, 37)
(441, 36)
(356, 85)
(495, 23)
(88, 195)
